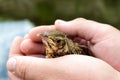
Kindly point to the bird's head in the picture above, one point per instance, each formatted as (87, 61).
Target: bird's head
(53, 39)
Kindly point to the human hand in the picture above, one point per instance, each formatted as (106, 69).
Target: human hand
(32, 45)
(104, 40)
(71, 67)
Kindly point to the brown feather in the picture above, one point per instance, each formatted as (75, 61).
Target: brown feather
(57, 44)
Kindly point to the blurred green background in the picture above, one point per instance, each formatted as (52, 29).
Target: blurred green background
(42, 12)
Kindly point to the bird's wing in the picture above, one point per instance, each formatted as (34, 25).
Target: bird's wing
(74, 48)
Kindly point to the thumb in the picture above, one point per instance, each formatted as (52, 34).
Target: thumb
(27, 68)
(87, 29)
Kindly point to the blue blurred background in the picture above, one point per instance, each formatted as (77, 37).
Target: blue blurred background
(17, 17)
(8, 31)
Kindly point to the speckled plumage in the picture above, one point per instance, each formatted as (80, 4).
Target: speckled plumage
(57, 44)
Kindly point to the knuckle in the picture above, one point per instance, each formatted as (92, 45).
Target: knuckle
(108, 27)
(80, 19)
(21, 69)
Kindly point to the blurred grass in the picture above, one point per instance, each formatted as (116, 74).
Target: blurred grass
(46, 12)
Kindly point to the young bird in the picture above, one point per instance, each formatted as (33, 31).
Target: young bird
(57, 44)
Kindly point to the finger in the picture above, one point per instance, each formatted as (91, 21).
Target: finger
(29, 47)
(26, 36)
(37, 30)
(15, 47)
(87, 29)
(80, 41)
(30, 68)
(27, 68)
(12, 76)
(38, 56)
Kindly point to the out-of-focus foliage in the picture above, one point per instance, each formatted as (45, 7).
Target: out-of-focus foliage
(46, 12)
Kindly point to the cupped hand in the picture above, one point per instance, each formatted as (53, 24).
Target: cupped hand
(103, 40)
(71, 67)
(100, 38)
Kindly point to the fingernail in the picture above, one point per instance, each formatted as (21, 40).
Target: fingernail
(11, 64)
(60, 22)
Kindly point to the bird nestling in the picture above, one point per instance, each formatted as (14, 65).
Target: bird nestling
(57, 44)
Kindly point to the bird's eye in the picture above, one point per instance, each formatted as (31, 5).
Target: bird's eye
(58, 41)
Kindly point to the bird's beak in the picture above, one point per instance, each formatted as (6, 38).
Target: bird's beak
(43, 37)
